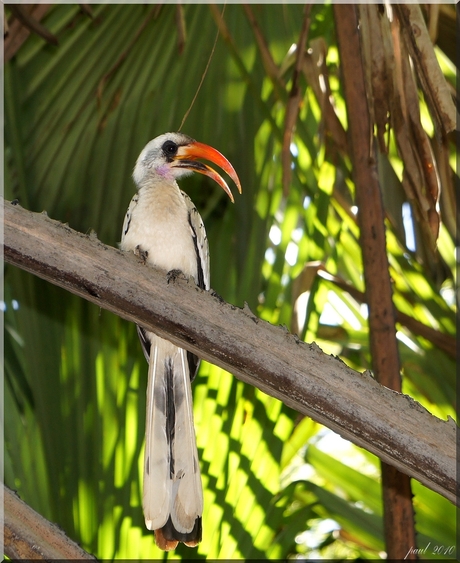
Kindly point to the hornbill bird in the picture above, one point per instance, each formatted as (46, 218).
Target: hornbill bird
(163, 227)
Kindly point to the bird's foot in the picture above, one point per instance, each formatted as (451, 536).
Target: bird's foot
(141, 254)
(174, 275)
(217, 296)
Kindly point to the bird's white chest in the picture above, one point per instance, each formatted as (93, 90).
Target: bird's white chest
(158, 222)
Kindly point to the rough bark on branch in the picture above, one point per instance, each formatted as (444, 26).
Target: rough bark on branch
(29, 536)
(391, 425)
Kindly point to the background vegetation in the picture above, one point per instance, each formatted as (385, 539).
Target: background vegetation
(77, 114)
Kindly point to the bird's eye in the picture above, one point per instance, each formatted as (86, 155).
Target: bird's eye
(169, 148)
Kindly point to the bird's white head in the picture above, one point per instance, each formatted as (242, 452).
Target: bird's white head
(173, 155)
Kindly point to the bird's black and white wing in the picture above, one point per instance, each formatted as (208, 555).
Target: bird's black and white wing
(129, 213)
(144, 339)
(200, 241)
(202, 278)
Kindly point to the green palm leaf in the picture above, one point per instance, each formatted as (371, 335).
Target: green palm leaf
(76, 117)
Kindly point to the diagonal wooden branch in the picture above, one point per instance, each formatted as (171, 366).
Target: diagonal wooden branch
(18, 32)
(391, 425)
(29, 536)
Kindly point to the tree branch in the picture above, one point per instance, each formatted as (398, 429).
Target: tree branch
(30, 536)
(398, 512)
(391, 425)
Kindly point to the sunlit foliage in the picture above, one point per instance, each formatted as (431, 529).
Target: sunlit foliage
(76, 117)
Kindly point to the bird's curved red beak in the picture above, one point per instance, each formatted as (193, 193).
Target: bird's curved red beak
(187, 156)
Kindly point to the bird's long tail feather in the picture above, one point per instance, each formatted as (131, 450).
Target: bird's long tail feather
(173, 496)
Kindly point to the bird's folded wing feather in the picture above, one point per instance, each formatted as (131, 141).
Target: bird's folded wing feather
(200, 241)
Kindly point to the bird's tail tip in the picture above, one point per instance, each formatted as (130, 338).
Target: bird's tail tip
(163, 543)
(167, 538)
